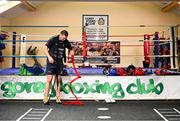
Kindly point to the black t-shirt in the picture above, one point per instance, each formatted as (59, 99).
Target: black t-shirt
(57, 48)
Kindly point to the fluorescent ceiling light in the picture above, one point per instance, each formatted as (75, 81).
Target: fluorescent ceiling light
(3, 2)
(6, 5)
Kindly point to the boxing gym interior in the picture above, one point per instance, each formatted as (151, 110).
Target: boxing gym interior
(87, 60)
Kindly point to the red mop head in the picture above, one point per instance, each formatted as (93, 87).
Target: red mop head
(73, 103)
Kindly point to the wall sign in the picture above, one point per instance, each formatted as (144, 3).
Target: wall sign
(96, 27)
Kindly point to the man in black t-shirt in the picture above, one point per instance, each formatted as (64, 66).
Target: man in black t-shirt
(55, 52)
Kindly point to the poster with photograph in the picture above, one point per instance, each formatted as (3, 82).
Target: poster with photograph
(103, 48)
(96, 27)
(98, 52)
(103, 52)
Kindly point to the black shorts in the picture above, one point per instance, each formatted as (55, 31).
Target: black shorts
(55, 68)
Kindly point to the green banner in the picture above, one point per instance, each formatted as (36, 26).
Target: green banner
(10, 89)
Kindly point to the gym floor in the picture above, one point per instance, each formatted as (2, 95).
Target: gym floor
(121, 110)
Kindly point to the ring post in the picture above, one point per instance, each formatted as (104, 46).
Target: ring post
(14, 50)
(23, 48)
(173, 47)
(156, 50)
(84, 43)
(146, 61)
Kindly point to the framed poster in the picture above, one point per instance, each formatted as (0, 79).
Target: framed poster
(103, 52)
(98, 52)
(103, 48)
(96, 27)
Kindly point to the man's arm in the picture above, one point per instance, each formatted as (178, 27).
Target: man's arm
(69, 47)
(72, 52)
(46, 51)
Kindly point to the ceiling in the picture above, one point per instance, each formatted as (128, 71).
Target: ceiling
(19, 9)
(175, 10)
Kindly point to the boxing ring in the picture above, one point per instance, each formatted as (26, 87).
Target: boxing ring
(155, 77)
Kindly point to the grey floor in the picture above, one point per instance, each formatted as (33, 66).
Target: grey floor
(121, 110)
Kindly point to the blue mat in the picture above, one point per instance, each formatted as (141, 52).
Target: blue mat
(9, 71)
(70, 71)
(83, 71)
(86, 71)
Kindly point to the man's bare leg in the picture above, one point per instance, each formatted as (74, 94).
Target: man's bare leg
(47, 88)
(58, 96)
